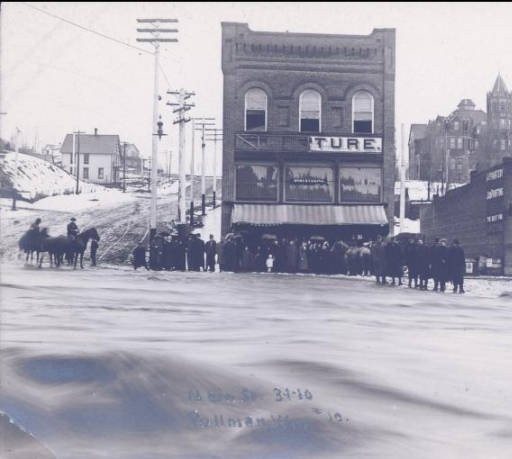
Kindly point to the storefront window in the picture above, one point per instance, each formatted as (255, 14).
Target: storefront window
(359, 184)
(256, 182)
(309, 184)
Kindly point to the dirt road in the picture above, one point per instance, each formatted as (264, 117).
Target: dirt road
(120, 226)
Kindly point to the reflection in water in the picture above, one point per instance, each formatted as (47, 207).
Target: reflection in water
(115, 363)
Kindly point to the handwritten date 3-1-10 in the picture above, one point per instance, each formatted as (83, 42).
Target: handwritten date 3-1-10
(281, 395)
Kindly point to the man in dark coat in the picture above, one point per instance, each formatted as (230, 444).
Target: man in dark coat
(378, 251)
(181, 254)
(422, 255)
(139, 256)
(440, 265)
(72, 228)
(457, 266)
(229, 254)
(394, 261)
(197, 253)
(292, 257)
(211, 250)
(35, 225)
(167, 262)
(94, 249)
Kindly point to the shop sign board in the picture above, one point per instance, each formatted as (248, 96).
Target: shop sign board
(345, 144)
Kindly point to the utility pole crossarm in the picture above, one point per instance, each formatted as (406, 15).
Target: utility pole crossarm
(158, 40)
(159, 29)
(163, 20)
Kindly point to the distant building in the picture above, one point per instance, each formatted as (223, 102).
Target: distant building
(467, 139)
(455, 143)
(499, 124)
(308, 133)
(52, 154)
(133, 159)
(479, 214)
(418, 194)
(99, 159)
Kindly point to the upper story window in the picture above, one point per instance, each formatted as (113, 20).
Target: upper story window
(456, 125)
(86, 158)
(310, 103)
(362, 113)
(255, 110)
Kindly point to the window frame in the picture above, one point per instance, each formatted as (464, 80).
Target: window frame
(331, 166)
(102, 177)
(85, 171)
(245, 109)
(319, 111)
(360, 166)
(263, 164)
(372, 109)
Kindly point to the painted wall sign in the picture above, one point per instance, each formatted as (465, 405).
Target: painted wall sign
(346, 144)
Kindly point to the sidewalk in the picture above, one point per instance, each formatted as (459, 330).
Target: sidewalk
(212, 224)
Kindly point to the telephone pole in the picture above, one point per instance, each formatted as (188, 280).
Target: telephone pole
(77, 137)
(154, 27)
(16, 150)
(402, 179)
(215, 135)
(182, 107)
(199, 124)
(124, 167)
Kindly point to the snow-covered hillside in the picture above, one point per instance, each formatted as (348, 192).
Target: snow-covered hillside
(36, 178)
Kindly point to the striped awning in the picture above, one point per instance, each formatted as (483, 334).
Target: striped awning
(288, 214)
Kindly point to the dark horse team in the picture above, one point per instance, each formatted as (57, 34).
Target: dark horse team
(70, 247)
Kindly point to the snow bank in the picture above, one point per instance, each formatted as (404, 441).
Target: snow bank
(104, 198)
(35, 178)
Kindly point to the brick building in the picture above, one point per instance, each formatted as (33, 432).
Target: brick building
(308, 132)
(465, 140)
(479, 214)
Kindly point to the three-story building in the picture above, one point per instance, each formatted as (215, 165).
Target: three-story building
(308, 132)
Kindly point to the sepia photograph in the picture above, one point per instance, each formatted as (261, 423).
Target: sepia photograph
(261, 230)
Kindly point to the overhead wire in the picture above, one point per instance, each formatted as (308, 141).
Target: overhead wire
(87, 29)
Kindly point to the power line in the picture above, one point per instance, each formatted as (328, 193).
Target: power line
(165, 76)
(86, 28)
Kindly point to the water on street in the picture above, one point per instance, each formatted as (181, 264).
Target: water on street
(108, 362)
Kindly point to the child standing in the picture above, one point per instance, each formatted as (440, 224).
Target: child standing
(270, 263)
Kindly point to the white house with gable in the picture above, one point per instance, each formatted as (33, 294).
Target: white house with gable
(97, 156)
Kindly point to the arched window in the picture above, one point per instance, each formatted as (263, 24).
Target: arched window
(310, 107)
(255, 110)
(362, 113)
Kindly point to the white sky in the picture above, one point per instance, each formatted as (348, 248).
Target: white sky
(57, 78)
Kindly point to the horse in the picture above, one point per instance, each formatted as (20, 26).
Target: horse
(72, 248)
(33, 241)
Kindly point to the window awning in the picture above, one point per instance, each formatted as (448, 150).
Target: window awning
(287, 214)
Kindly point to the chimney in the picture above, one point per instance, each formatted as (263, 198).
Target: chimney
(95, 131)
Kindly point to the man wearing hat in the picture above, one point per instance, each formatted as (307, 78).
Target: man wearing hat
(457, 266)
(211, 250)
(72, 228)
(440, 265)
(35, 225)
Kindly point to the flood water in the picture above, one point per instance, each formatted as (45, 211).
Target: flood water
(113, 363)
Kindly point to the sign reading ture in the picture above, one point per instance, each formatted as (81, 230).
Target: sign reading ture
(346, 144)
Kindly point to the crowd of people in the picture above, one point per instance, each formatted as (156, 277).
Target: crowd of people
(384, 258)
